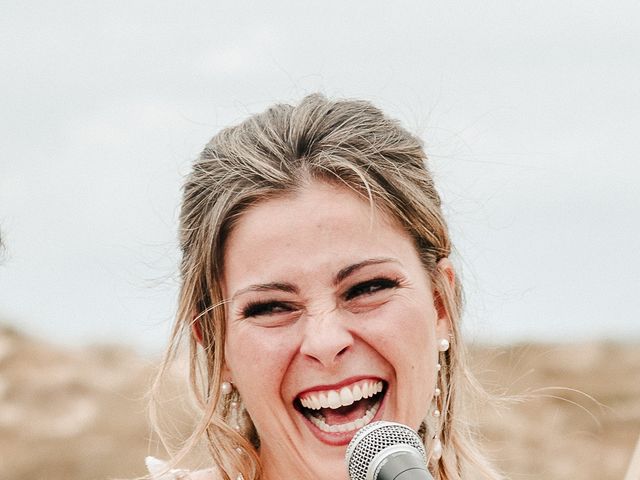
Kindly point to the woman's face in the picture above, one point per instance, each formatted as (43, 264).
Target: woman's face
(332, 324)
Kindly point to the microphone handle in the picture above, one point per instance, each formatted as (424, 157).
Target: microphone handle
(403, 466)
(414, 474)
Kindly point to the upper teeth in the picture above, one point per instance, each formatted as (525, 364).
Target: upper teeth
(341, 398)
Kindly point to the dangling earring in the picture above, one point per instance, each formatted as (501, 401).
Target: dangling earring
(436, 445)
(234, 411)
(234, 415)
(436, 449)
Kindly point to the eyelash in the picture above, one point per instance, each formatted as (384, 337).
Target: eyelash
(255, 309)
(370, 287)
(365, 288)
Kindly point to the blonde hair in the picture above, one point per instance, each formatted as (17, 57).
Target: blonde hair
(347, 142)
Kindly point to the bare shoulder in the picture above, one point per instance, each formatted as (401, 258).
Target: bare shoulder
(158, 471)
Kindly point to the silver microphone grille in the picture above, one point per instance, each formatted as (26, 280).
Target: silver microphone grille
(372, 439)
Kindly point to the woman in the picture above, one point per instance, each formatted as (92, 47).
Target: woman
(318, 295)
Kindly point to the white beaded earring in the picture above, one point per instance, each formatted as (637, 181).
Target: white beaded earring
(437, 392)
(234, 417)
(226, 388)
(235, 414)
(436, 449)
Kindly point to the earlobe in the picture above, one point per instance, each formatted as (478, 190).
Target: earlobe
(226, 372)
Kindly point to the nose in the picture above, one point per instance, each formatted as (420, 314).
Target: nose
(326, 338)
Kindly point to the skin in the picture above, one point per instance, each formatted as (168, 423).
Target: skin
(381, 319)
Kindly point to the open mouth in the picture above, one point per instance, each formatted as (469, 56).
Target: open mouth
(342, 410)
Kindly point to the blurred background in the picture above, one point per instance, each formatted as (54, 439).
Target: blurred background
(529, 112)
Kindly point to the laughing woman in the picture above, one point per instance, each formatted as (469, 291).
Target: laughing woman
(318, 296)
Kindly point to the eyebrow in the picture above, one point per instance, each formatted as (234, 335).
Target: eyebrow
(267, 287)
(351, 269)
(290, 288)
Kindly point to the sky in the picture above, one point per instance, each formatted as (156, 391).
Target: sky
(529, 112)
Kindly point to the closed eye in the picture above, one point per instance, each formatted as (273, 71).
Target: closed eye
(257, 309)
(370, 287)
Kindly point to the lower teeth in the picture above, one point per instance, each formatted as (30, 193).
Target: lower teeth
(345, 427)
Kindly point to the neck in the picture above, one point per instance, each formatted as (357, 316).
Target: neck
(277, 466)
(294, 464)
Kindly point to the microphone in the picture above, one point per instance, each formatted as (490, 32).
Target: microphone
(387, 451)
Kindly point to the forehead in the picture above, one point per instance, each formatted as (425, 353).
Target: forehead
(321, 225)
(318, 206)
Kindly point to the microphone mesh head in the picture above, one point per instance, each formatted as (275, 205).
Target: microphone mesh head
(372, 439)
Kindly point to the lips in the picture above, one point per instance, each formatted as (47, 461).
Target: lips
(344, 409)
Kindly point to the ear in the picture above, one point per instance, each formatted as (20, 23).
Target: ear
(226, 375)
(445, 284)
(196, 329)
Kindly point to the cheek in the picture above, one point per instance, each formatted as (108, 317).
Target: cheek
(257, 356)
(257, 360)
(405, 326)
(405, 335)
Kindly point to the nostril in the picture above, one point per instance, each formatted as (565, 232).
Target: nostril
(344, 350)
(327, 352)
